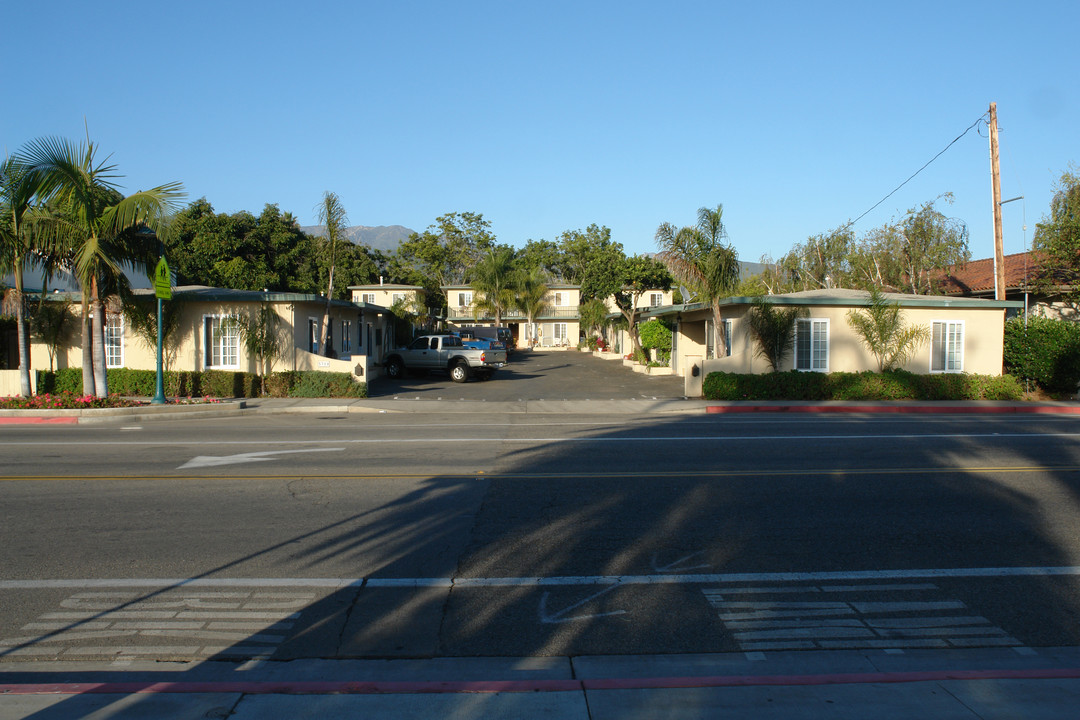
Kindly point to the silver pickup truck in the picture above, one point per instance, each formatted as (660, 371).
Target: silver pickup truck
(444, 352)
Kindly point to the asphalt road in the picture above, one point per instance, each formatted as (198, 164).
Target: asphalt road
(401, 535)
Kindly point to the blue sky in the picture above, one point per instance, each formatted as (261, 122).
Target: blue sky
(797, 117)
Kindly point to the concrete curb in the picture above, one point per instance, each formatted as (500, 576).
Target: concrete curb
(139, 413)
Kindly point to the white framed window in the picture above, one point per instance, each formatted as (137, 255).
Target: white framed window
(560, 298)
(221, 336)
(947, 347)
(313, 336)
(656, 299)
(346, 336)
(558, 332)
(114, 341)
(812, 345)
(727, 338)
(395, 298)
(368, 298)
(464, 299)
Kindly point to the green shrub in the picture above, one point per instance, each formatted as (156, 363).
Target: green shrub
(279, 384)
(314, 384)
(1044, 352)
(891, 385)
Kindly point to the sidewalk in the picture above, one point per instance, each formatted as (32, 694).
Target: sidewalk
(1039, 684)
(555, 407)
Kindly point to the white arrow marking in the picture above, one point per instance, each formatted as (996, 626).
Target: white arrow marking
(210, 460)
(560, 617)
(677, 566)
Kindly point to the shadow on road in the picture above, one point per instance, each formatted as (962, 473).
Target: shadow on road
(742, 503)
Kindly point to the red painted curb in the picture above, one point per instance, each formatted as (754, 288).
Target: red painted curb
(520, 686)
(922, 409)
(39, 420)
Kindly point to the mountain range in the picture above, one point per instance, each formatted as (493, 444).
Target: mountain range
(381, 237)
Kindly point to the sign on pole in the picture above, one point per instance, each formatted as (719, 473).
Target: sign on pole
(162, 281)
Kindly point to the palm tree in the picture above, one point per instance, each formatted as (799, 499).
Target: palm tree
(531, 298)
(18, 189)
(333, 217)
(882, 330)
(773, 329)
(699, 258)
(493, 283)
(99, 226)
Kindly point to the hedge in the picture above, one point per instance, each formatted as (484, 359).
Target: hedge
(209, 383)
(1044, 352)
(892, 385)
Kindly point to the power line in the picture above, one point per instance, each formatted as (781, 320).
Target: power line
(955, 140)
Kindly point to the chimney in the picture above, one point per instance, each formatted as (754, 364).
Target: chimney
(380, 281)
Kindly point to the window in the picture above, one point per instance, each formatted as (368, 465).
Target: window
(395, 298)
(947, 351)
(464, 299)
(222, 339)
(114, 341)
(558, 332)
(346, 336)
(368, 298)
(560, 298)
(727, 337)
(656, 299)
(812, 345)
(313, 336)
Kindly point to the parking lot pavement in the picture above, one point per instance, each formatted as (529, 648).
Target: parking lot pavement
(539, 375)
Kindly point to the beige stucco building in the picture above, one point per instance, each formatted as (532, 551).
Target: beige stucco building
(206, 340)
(559, 326)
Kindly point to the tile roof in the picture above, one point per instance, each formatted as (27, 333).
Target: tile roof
(977, 276)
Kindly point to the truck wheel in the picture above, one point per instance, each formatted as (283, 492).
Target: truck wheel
(459, 373)
(394, 368)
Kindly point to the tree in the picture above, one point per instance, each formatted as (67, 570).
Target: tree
(700, 259)
(333, 218)
(1057, 239)
(494, 283)
(773, 329)
(242, 251)
(141, 315)
(99, 226)
(592, 260)
(639, 274)
(18, 189)
(532, 297)
(593, 314)
(882, 330)
(931, 241)
(263, 338)
(52, 323)
(822, 261)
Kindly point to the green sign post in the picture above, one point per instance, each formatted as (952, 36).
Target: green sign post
(163, 291)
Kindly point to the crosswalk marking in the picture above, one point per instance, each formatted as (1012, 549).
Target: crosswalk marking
(795, 616)
(249, 622)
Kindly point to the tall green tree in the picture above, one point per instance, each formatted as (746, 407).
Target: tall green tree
(532, 297)
(640, 274)
(1057, 239)
(335, 220)
(930, 241)
(443, 254)
(882, 329)
(591, 259)
(700, 258)
(18, 189)
(100, 226)
(494, 281)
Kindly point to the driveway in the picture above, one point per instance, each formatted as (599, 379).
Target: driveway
(539, 375)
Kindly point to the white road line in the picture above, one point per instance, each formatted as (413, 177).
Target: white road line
(683, 579)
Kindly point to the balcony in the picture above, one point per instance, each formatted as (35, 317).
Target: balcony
(560, 312)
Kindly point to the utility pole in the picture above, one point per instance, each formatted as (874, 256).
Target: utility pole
(995, 176)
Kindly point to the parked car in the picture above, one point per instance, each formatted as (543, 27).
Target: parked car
(445, 353)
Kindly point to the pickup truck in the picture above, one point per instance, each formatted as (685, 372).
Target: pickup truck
(444, 352)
